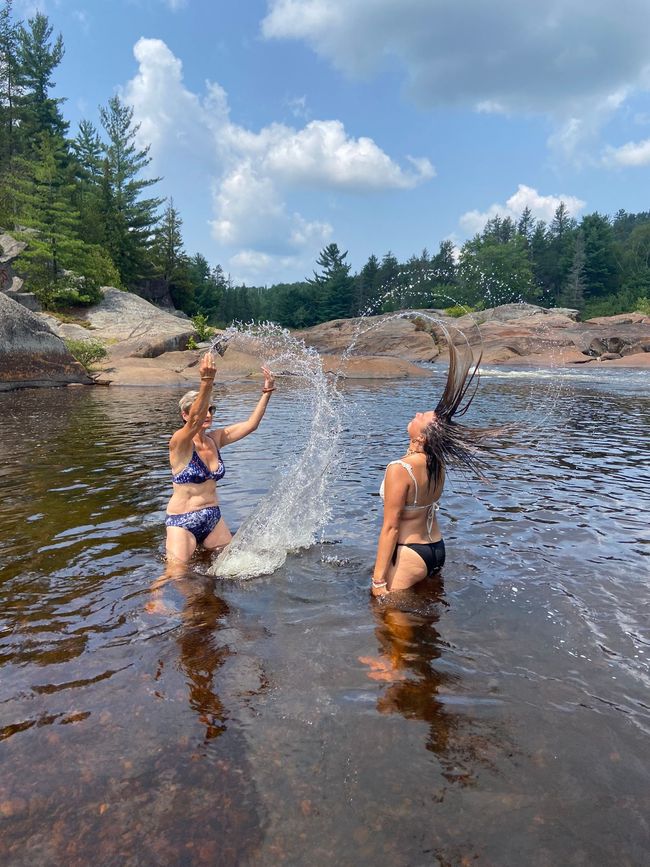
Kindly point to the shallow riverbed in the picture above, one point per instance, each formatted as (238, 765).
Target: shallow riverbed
(499, 718)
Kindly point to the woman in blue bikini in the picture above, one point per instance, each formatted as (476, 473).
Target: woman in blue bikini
(193, 513)
(410, 546)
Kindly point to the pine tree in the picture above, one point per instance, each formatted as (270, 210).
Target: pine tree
(170, 261)
(45, 194)
(574, 294)
(601, 269)
(388, 282)
(88, 172)
(366, 285)
(37, 60)
(561, 241)
(128, 218)
(526, 225)
(333, 285)
(9, 88)
(88, 150)
(444, 265)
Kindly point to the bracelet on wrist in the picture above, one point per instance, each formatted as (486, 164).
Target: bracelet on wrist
(207, 378)
(268, 390)
(379, 583)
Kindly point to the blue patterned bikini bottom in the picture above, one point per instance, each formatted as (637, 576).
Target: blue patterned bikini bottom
(199, 523)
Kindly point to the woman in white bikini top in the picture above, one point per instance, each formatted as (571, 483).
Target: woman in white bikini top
(410, 546)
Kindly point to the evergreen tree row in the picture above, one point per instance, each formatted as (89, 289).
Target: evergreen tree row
(85, 207)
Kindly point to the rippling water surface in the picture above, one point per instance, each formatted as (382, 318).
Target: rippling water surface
(500, 718)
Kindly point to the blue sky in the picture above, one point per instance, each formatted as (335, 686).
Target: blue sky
(281, 126)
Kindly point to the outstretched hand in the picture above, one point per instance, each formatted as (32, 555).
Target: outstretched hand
(269, 379)
(207, 368)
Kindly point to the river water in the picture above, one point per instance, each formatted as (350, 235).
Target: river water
(500, 717)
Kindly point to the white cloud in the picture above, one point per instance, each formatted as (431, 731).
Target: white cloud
(254, 174)
(575, 61)
(168, 113)
(542, 208)
(323, 155)
(630, 154)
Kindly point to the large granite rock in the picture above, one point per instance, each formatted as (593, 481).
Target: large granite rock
(512, 334)
(408, 338)
(134, 327)
(30, 354)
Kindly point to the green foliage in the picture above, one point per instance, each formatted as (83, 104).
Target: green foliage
(642, 305)
(203, 330)
(191, 343)
(86, 351)
(458, 310)
(625, 301)
(494, 269)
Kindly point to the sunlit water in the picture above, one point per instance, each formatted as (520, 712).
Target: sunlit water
(500, 719)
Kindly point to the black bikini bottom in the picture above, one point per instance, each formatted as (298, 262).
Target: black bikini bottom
(433, 554)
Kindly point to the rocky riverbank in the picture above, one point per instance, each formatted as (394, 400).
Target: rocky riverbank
(146, 345)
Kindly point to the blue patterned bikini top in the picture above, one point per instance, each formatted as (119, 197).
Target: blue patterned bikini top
(197, 472)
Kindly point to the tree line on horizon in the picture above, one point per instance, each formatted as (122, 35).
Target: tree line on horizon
(85, 207)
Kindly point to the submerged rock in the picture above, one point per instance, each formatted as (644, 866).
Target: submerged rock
(31, 355)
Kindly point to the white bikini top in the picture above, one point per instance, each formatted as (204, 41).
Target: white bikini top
(413, 507)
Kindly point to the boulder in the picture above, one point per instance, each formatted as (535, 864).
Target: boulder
(31, 355)
(140, 329)
(10, 248)
(410, 338)
(639, 360)
(620, 319)
(373, 367)
(67, 330)
(610, 334)
(609, 356)
(636, 348)
(26, 299)
(9, 281)
(510, 312)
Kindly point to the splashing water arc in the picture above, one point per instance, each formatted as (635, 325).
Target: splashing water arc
(296, 507)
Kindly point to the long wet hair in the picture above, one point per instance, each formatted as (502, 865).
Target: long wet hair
(446, 441)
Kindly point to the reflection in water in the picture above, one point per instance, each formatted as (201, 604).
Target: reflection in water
(416, 688)
(200, 652)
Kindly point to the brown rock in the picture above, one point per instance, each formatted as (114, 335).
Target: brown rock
(609, 356)
(410, 338)
(640, 359)
(373, 367)
(620, 319)
(634, 348)
(30, 354)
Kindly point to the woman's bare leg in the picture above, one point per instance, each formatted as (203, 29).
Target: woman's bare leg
(218, 538)
(409, 569)
(179, 545)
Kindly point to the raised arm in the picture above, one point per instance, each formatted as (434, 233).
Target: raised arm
(198, 411)
(241, 429)
(395, 492)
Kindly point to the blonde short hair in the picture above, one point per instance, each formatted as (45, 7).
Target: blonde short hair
(187, 400)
